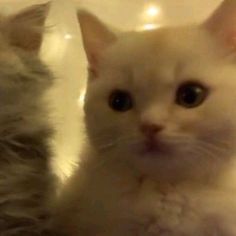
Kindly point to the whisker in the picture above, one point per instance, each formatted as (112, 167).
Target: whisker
(219, 146)
(120, 140)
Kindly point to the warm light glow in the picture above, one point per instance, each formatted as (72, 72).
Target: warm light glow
(62, 167)
(148, 27)
(68, 36)
(81, 98)
(153, 11)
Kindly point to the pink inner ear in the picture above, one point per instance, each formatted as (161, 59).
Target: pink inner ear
(230, 40)
(96, 37)
(93, 62)
(222, 23)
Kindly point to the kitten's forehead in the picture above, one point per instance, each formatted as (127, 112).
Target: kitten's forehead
(162, 54)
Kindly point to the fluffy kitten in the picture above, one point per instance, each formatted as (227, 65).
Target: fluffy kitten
(161, 123)
(25, 178)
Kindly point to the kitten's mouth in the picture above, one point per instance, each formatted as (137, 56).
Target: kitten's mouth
(154, 148)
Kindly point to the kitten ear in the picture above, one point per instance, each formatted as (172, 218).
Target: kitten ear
(222, 23)
(96, 37)
(25, 29)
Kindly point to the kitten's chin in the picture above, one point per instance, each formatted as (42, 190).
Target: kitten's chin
(166, 172)
(166, 163)
(157, 160)
(155, 150)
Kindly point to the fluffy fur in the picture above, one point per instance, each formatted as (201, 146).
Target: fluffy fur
(185, 188)
(25, 178)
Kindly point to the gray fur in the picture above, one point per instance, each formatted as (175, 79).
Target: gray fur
(26, 181)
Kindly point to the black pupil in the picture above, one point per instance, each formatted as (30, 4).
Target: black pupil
(191, 95)
(120, 101)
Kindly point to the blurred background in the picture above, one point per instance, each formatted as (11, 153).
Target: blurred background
(62, 51)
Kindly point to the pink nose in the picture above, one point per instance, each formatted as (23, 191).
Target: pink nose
(150, 129)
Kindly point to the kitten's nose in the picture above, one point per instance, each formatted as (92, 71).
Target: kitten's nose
(150, 129)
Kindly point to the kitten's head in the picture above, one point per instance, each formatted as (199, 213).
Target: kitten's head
(23, 78)
(164, 100)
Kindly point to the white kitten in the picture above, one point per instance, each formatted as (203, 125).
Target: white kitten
(161, 123)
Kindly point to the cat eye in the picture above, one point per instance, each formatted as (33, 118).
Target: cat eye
(191, 94)
(120, 101)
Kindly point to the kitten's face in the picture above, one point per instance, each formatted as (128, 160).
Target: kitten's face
(197, 131)
(164, 102)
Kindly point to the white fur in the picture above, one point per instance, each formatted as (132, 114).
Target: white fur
(186, 191)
